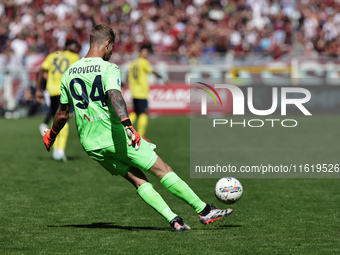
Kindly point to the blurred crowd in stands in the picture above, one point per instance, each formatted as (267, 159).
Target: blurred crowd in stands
(177, 31)
(181, 30)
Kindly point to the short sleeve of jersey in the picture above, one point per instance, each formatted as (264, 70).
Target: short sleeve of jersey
(63, 92)
(111, 79)
(147, 66)
(46, 64)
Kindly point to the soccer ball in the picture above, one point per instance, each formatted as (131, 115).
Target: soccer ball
(228, 190)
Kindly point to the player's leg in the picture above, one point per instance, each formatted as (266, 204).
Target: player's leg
(50, 114)
(133, 115)
(142, 124)
(141, 109)
(60, 143)
(172, 182)
(106, 158)
(150, 196)
(147, 160)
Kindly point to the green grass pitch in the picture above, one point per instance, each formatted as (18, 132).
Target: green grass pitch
(76, 207)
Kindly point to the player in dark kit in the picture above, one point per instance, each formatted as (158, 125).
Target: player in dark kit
(93, 86)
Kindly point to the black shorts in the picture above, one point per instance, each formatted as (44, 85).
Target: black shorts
(55, 101)
(140, 106)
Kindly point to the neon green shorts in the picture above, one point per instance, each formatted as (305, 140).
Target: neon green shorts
(119, 158)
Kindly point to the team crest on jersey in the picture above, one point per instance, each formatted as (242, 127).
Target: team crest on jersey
(119, 82)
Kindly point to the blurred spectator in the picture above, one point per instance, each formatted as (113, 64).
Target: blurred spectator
(19, 47)
(26, 101)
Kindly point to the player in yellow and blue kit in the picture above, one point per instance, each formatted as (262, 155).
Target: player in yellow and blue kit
(138, 84)
(53, 67)
(92, 86)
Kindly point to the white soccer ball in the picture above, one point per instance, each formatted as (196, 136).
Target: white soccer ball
(228, 190)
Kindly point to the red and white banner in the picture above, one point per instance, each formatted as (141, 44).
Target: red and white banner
(165, 100)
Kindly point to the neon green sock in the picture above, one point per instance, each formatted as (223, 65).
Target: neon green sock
(179, 188)
(154, 199)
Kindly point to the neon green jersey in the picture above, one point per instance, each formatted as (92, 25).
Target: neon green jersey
(84, 85)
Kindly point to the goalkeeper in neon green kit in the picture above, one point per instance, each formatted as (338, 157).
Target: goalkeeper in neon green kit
(93, 86)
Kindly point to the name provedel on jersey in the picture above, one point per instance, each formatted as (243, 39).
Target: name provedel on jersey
(85, 69)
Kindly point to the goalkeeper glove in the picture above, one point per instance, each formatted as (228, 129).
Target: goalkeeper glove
(49, 138)
(134, 137)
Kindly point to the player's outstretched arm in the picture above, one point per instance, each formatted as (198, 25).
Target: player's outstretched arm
(61, 117)
(119, 106)
(118, 103)
(59, 122)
